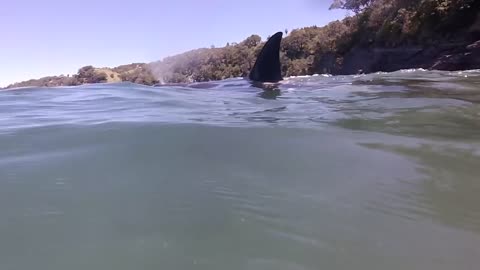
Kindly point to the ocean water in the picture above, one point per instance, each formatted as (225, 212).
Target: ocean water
(378, 171)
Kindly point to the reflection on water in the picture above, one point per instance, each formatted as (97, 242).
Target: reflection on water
(455, 123)
(446, 189)
(270, 93)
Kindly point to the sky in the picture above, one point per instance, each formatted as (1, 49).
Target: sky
(53, 37)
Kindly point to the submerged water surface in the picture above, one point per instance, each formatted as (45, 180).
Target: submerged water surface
(377, 171)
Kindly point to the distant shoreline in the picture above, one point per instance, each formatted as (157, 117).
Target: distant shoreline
(379, 37)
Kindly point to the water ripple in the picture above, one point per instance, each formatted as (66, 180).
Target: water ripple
(298, 102)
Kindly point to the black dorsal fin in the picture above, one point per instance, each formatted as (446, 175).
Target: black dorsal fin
(267, 66)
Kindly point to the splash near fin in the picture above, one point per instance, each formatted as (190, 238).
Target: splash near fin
(267, 66)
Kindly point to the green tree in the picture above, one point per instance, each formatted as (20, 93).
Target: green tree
(355, 5)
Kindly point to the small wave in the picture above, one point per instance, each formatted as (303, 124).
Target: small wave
(234, 101)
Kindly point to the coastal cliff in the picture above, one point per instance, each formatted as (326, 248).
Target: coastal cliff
(449, 56)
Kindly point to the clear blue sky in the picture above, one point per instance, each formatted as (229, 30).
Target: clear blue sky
(53, 37)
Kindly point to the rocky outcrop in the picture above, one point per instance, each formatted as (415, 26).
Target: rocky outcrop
(467, 58)
(447, 56)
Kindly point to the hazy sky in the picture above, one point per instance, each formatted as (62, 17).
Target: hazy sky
(53, 37)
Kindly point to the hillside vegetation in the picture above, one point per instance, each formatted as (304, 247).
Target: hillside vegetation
(380, 35)
(136, 73)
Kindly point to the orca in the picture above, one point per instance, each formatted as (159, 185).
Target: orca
(266, 72)
(267, 68)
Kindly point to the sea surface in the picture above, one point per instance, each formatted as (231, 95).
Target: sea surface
(366, 172)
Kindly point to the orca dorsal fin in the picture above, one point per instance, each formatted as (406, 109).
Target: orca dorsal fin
(267, 66)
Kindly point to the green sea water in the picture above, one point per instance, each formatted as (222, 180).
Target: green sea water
(378, 171)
